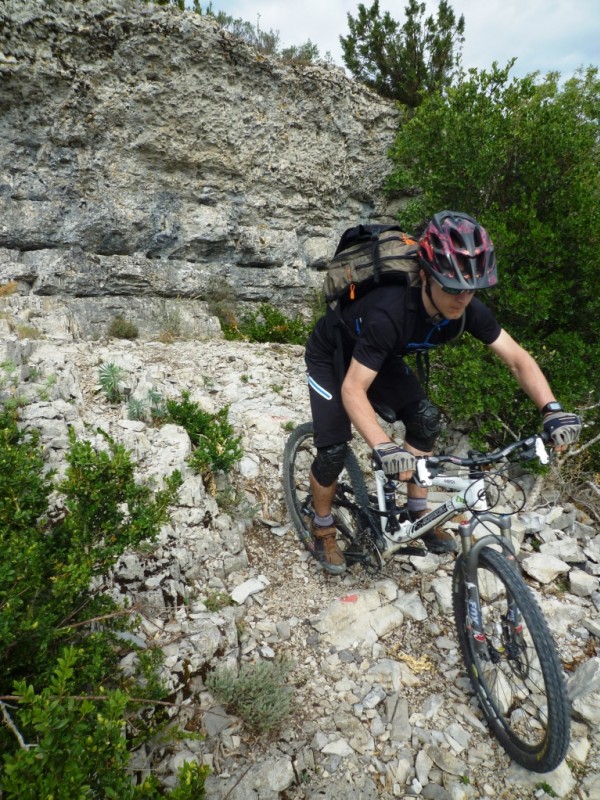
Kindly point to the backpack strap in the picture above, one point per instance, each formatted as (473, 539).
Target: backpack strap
(422, 359)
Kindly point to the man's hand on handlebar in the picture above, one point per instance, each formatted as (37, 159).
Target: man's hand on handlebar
(563, 428)
(394, 460)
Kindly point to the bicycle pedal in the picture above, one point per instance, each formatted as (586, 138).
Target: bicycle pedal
(355, 557)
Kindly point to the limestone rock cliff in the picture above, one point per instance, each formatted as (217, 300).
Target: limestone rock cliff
(147, 155)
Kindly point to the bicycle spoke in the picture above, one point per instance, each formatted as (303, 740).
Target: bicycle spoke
(516, 672)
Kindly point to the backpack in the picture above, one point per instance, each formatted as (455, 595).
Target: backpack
(368, 256)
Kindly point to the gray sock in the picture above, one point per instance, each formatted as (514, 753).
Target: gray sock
(417, 504)
(323, 522)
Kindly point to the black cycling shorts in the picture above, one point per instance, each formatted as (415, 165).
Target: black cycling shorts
(395, 386)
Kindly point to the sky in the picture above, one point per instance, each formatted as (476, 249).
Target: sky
(544, 35)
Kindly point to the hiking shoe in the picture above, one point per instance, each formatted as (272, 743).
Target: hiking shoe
(438, 540)
(327, 552)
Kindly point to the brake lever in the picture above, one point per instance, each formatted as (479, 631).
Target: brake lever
(541, 452)
(423, 475)
(537, 450)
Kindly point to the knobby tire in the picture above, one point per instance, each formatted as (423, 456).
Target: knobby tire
(517, 677)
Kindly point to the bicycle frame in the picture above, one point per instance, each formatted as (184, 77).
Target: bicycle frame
(470, 496)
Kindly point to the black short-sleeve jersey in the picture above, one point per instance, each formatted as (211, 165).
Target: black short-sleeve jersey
(379, 324)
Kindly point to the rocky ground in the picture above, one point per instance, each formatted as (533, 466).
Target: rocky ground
(381, 704)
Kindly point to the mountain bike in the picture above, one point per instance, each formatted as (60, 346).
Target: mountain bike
(505, 642)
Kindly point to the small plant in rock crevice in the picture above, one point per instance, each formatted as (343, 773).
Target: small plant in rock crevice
(236, 503)
(215, 601)
(6, 289)
(136, 409)
(121, 328)
(110, 377)
(545, 787)
(212, 435)
(158, 407)
(152, 408)
(171, 326)
(257, 693)
(24, 331)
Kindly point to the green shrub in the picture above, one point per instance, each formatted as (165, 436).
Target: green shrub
(110, 377)
(215, 601)
(44, 587)
(522, 156)
(78, 747)
(136, 409)
(269, 324)
(90, 732)
(120, 328)
(58, 637)
(212, 435)
(257, 693)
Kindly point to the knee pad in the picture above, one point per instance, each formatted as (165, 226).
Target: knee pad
(423, 423)
(328, 463)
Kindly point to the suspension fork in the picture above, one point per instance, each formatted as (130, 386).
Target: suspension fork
(471, 551)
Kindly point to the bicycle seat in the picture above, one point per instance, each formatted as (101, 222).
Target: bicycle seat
(385, 412)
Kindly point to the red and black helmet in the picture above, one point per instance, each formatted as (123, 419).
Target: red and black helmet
(456, 251)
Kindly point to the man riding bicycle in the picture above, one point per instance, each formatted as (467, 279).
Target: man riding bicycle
(456, 258)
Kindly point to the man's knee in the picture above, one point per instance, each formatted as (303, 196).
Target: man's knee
(423, 423)
(329, 462)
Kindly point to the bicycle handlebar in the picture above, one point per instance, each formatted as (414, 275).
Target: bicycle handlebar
(531, 447)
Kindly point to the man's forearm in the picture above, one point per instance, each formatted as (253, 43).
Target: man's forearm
(533, 381)
(362, 416)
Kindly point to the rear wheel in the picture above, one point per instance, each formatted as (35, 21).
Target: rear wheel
(349, 505)
(515, 672)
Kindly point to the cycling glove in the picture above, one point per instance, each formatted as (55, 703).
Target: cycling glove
(392, 459)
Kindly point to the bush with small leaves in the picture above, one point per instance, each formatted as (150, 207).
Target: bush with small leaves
(91, 730)
(71, 704)
(121, 328)
(268, 324)
(257, 693)
(212, 435)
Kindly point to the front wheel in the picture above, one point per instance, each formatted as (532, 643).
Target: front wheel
(352, 498)
(515, 671)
